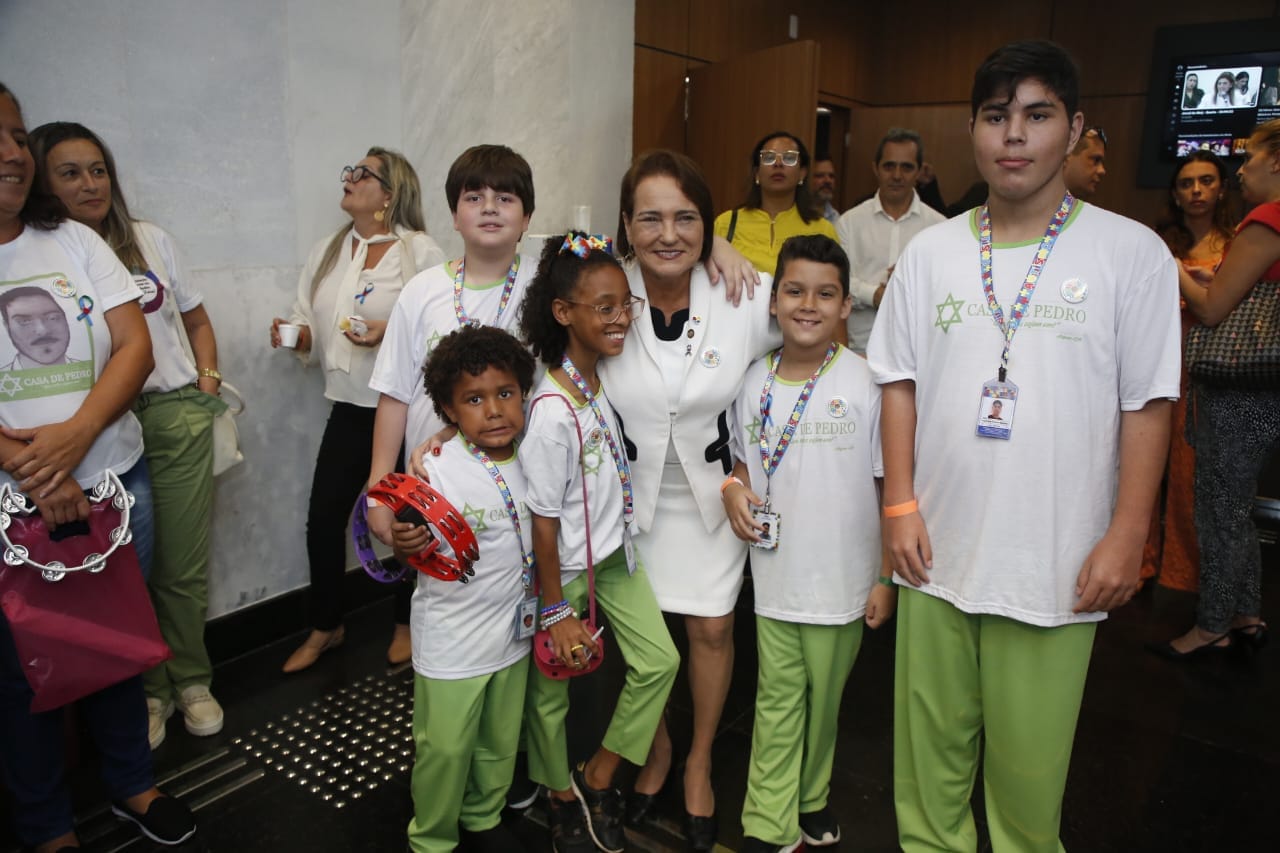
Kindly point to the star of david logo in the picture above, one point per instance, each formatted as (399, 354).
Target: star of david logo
(474, 516)
(592, 458)
(952, 305)
(10, 384)
(432, 342)
(753, 430)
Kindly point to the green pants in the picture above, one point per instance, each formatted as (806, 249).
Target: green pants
(177, 431)
(637, 632)
(465, 733)
(962, 679)
(803, 670)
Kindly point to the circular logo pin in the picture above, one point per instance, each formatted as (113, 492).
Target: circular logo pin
(595, 437)
(689, 334)
(710, 357)
(838, 407)
(64, 288)
(1074, 290)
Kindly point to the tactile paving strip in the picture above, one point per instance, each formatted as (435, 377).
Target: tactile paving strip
(343, 746)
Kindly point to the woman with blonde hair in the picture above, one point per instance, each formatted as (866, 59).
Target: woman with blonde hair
(345, 295)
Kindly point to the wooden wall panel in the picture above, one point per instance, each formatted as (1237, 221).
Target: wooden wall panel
(1117, 61)
(658, 111)
(723, 29)
(840, 29)
(926, 53)
(663, 24)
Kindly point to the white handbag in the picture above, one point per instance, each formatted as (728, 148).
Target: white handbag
(226, 438)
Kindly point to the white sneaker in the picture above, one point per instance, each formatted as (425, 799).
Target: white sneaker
(158, 713)
(200, 711)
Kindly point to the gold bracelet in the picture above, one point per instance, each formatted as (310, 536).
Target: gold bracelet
(210, 372)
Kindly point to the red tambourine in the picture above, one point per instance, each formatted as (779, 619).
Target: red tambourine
(417, 502)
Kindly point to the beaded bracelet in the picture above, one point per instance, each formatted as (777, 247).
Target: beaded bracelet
(558, 616)
(552, 608)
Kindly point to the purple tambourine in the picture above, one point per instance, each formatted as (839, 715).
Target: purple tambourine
(374, 567)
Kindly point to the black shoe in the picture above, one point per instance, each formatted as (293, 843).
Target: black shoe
(499, 839)
(641, 808)
(603, 809)
(568, 827)
(701, 832)
(1208, 650)
(523, 791)
(1250, 637)
(166, 821)
(819, 828)
(755, 845)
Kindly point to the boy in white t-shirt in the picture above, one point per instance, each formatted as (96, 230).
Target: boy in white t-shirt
(805, 434)
(1015, 534)
(470, 648)
(490, 193)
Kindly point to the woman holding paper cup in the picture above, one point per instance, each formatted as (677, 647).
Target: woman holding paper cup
(345, 294)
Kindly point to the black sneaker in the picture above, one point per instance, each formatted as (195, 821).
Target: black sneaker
(167, 821)
(755, 845)
(568, 827)
(603, 808)
(819, 828)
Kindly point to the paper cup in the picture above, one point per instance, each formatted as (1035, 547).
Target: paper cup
(288, 335)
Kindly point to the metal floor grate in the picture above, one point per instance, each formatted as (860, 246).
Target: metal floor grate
(343, 746)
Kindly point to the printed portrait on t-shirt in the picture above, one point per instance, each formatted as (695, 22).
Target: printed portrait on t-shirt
(47, 348)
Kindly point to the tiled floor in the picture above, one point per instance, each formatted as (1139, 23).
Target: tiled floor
(1168, 757)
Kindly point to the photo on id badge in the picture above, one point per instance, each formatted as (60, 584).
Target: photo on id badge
(769, 523)
(995, 410)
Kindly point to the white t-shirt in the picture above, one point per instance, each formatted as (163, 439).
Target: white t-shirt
(167, 293)
(461, 630)
(57, 342)
(549, 454)
(1011, 522)
(824, 491)
(873, 241)
(425, 314)
(380, 288)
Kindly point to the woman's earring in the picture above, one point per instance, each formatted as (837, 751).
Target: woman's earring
(379, 215)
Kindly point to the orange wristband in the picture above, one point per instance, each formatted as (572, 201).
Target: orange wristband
(729, 481)
(901, 509)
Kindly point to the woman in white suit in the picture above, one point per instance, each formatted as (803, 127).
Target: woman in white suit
(678, 374)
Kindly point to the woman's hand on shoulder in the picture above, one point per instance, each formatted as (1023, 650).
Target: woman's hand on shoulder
(430, 447)
(732, 266)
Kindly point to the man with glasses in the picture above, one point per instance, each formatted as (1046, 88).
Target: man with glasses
(1085, 166)
(875, 232)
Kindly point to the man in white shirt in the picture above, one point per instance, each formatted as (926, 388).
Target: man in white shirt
(823, 180)
(1086, 165)
(874, 233)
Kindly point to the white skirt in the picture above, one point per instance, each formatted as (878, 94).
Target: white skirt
(692, 571)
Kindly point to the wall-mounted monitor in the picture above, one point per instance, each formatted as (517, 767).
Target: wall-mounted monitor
(1210, 86)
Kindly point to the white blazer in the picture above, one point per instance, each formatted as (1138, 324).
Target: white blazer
(726, 340)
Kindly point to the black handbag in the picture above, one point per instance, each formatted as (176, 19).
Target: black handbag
(1243, 351)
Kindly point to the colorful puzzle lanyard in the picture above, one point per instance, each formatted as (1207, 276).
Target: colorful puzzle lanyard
(461, 314)
(624, 470)
(771, 461)
(1019, 310)
(526, 557)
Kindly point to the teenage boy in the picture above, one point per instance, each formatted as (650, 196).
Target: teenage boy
(1015, 536)
(805, 438)
(490, 193)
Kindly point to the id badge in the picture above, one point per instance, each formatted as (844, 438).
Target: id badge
(772, 524)
(996, 408)
(629, 549)
(526, 618)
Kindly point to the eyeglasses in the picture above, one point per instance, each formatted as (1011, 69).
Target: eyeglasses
(1098, 132)
(356, 174)
(609, 313)
(769, 157)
